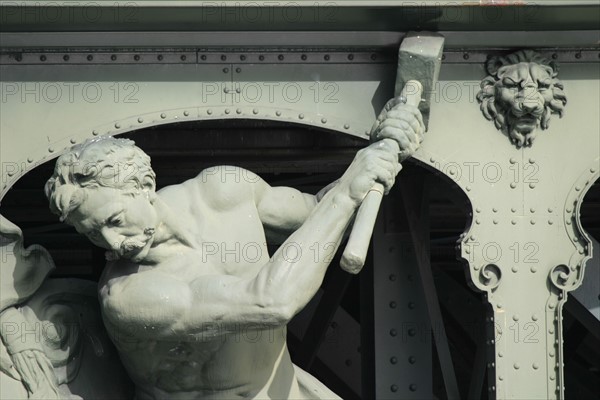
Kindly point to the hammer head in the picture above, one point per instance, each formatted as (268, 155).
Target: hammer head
(420, 58)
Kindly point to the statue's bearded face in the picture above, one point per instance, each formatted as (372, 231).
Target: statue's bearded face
(120, 221)
(523, 90)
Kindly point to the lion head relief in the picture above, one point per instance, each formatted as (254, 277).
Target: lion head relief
(520, 94)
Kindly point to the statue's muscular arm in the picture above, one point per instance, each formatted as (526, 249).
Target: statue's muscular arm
(158, 304)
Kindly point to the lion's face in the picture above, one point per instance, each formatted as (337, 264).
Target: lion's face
(520, 98)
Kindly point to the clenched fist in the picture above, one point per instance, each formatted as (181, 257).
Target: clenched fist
(402, 123)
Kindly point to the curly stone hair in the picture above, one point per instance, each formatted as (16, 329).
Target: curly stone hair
(99, 162)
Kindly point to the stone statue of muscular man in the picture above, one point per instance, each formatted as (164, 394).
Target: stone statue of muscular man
(181, 315)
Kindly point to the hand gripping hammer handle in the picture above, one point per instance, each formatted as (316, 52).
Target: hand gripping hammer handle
(356, 249)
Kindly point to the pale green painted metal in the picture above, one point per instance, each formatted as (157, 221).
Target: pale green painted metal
(525, 201)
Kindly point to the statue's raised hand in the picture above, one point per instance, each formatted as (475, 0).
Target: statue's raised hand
(402, 123)
(377, 163)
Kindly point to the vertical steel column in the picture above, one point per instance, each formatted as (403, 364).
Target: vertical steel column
(403, 352)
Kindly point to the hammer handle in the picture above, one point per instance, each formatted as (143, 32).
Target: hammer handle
(356, 249)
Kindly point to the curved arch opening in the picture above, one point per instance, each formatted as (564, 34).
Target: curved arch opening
(284, 154)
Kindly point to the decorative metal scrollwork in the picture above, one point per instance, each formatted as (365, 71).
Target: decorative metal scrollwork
(489, 276)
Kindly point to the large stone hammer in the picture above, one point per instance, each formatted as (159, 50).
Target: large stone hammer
(419, 61)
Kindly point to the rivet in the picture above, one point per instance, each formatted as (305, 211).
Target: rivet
(478, 209)
(472, 237)
(11, 173)
(512, 160)
(411, 305)
(394, 360)
(535, 366)
(136, 57)
(42, 58)
(533, 269)
(551, 305)
(577, 188)
(278, 113)
(238, 90)
(238, 70)
(90, 57)
(466, 56)
(394, 388)
(568, 222)
(550, 222)
(477, 221)
(326, 57)
(280, 57)
(500, 354)
(223, 57)
(501, 378)
(516, 366)
(303, 57)
(499, 305)
(209, 112)
(532, 210)
(118, 126)
(159, 57)
(261, 58)
(140, 120)
(568, 210)
(552, 377)
(255, 111)
(323, 120)
(476, 268)
(513, 185)
(494, 209)
(392, 277)
(30, 159)
(227, 111)
(393, 304)
(163, 115)
(581, 251)
(183, 57)
(238, 111)
(534, 317)
(301, 116)
(350, 57)
(551, 353)
(452, 172)
(531, 161)
(514, 269)
(432, 160)
(51, 149)
(412, 360)
(532, 222)
(186, 113)
(513, 222)
(393, 332)
(373, 57)
(467, 251)
(495, 222)
(225, 70)
(73, 140)
(243, 57)
(412, 387)
(203, 57)
(113, 57)
(346, 126)
(95, 133)
(551, 331)
(515, 317)
(412, 332)
(66, 57)
(514, 210)
(468, 188)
